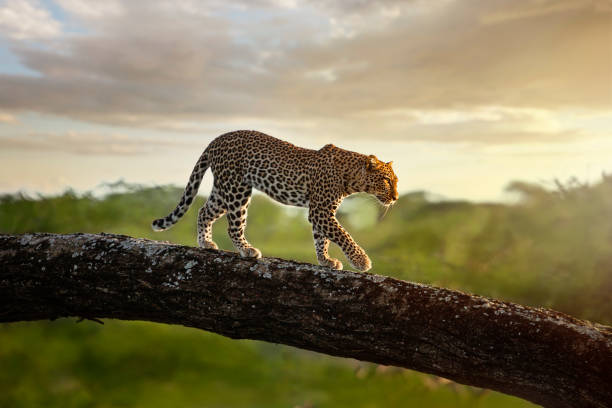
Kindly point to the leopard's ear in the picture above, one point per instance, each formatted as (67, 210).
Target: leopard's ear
(390, 163)
(372, 162)
(328, 147)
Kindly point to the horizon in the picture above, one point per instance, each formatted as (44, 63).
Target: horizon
(121, 186)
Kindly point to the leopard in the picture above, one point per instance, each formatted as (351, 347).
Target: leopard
(319, 180)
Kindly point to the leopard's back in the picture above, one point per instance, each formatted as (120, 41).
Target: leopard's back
(273, 166)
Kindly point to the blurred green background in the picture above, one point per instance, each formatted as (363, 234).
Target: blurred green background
(551, 248)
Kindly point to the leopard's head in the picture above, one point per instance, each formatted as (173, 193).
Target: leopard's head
(380, 180)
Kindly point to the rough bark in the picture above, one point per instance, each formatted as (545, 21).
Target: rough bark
(540, 355)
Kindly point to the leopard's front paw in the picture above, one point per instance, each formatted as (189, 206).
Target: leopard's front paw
(361, 261)
(250, 252)
(331, 263)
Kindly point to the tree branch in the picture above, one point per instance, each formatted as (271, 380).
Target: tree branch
(541, 355)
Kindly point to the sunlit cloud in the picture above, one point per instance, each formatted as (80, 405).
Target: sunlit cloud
(7, 118)
(489, 124)
(523, 10)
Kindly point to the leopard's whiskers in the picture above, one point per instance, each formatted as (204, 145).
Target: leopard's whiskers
(384, 212)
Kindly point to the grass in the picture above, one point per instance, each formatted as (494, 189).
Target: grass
(138, 364)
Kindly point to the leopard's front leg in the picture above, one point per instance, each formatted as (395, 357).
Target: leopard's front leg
(326, 227)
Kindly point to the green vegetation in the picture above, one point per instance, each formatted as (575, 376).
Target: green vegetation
(550, 249)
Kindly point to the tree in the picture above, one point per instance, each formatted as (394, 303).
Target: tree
(541, 355)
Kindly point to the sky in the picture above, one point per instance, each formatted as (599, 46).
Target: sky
(463, 96)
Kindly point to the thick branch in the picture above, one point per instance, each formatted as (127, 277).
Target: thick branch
(540, 355)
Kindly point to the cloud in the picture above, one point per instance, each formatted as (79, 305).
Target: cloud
(92, 9)
(324, 62)
(7, 118)
(89, 144)
(493, 125)
(27, 20)
(452, 60)
(523, 10)
(141, 62)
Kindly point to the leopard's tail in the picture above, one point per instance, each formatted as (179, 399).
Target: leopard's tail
(191, 190)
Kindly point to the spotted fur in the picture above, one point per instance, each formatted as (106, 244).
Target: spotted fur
(317, 179)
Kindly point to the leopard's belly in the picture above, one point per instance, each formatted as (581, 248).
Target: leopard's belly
(280, 187)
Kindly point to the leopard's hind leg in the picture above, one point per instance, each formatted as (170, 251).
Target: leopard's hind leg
(237, 197)
(321, 248)
(209, 213)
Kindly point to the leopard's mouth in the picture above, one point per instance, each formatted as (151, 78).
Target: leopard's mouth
(386, 200)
